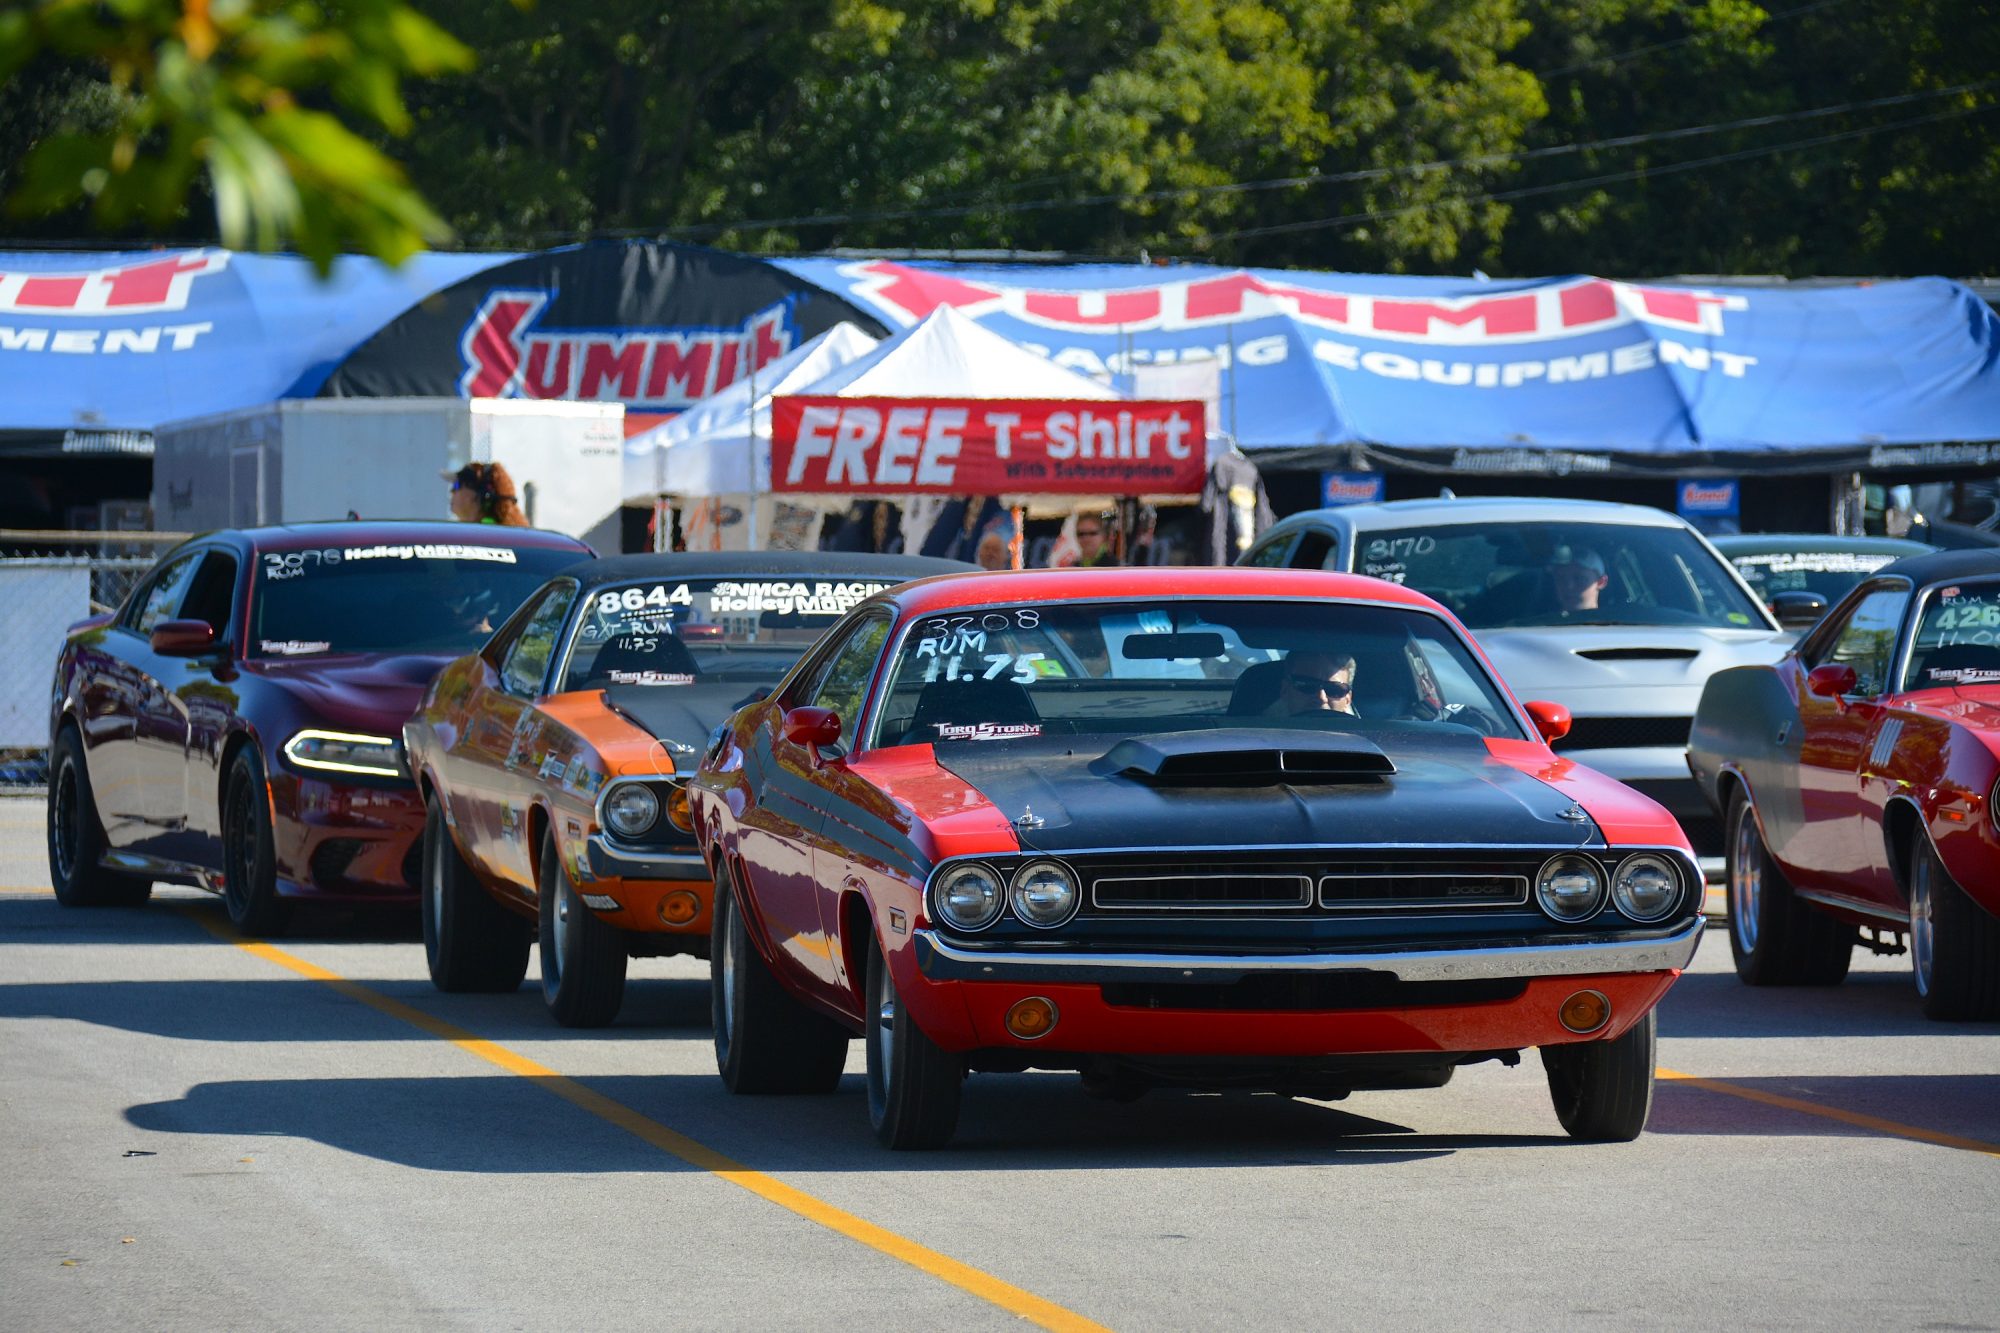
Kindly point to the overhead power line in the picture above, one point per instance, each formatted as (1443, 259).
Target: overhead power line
(1634, 53)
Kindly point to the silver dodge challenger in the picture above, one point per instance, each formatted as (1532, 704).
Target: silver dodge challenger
(1619, 612)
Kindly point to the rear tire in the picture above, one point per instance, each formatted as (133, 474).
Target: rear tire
(76, 837)
(1603, 1090)
(914, 1087)
(1776, 938)
(583, 958)
(1954, 943)
(766, 1041)
(249, 853)
(471, 942)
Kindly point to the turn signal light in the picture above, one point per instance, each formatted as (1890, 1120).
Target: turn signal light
(1585, 1011)
(1032, 1019)
(679, 907)
(680, 811)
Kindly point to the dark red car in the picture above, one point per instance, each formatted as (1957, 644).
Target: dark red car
(1218, 828)
(237, 723)
(1859, 777)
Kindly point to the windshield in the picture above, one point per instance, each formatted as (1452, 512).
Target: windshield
(427, 597)
(1494, 575)
(1828, 573)
(1113, 669)
(1958, 639)
(681, 631)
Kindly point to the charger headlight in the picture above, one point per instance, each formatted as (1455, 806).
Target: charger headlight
(1570, 888)
(969, 897)
(630, 809)
(348, 752)
(1645, 887)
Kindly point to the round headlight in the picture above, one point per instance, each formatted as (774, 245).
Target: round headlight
(969, 897)
(1570, 888)
(1645, 887)
(1044, 893)
(631, 809)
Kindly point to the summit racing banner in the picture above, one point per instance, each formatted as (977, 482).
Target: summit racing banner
(1556, 376)
(987, 446)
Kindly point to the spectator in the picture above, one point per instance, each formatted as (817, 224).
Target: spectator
(1093, 541)
(484, 493)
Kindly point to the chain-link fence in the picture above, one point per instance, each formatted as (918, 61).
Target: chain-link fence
(48, 582)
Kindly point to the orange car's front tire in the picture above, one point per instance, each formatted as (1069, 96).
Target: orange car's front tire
(471, 942)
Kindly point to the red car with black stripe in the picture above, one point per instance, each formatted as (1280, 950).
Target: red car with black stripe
(1214, 828)
(236, 724)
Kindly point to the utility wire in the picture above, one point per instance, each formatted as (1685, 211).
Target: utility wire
(1625, 57)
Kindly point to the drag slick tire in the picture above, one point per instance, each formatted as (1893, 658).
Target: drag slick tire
(249, 854)
(1603, 1090)
(1954, 943)
(471, 942)
(765, 1041)
(914, 1087)
(76, 837)
(1776, 938)
(583, 957)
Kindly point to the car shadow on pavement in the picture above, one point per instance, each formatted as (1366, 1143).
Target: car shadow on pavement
(1962, 1106)
(1867, 1004)
(40, 919)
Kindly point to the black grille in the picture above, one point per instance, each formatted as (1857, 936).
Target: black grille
(331, 859)
(1308, 991)
(1421, 889)
(1624, 733)
(1220, 889)
(1307, 883)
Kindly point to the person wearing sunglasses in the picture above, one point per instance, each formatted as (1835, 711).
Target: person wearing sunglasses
(484, 493)
(1315, 682)
(1093, 541)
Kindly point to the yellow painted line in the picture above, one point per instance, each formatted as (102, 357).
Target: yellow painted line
(966, 1278)
(1872, 1123)
(27, 888)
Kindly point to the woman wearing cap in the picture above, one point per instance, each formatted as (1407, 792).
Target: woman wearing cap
(484, 493)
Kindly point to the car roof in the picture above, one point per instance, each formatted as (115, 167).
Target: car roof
(763, 564)
(1483, 509)
(1940, 565)
(375, 532)
(1150, 582)
(1760, 543)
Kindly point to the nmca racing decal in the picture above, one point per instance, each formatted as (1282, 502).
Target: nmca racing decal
(507, 356)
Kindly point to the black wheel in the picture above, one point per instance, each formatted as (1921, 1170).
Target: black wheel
(913, 1086)
(765, 1041)
(471, 942)
(1776, 938)
(583, 958)
(249, 859)
(1954, 942)
(1603, 1090)
(76, 837)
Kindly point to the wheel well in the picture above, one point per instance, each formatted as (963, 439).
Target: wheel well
(538, 824)
(1902, 825)
(855, 934)
(230, 749)
(1727, 784)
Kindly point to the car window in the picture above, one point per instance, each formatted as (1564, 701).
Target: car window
(1271, 555)
(1867, 642)
(1958, 640)
(1315, 551)
(162, 594)
(843, 684)
(211, 592)
(526, 664)
(1828, 573)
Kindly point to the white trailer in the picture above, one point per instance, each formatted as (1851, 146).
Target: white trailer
(301, 459)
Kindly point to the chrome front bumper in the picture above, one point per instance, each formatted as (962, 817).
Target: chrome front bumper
(611, 860)
(941, 961)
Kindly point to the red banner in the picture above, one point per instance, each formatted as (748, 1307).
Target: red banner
(986, 446)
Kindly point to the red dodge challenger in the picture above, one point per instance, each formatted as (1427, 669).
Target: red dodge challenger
(1210, 828)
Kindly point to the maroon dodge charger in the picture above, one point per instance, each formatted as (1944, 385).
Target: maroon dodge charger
(236, 723)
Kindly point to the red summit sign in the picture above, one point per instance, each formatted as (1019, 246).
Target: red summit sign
(986, 446)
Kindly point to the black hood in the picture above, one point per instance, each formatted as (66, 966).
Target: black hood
(683, 713)
(1446, 790)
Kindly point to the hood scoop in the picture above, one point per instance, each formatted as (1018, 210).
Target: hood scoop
(1637, 654)
(1246, 757)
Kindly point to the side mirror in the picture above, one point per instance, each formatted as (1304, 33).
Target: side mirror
(1831, 681)
(1798, 609)
(183, 638)
(1552, 720)
(812, 728)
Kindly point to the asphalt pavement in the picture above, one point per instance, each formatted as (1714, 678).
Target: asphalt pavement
(204, 1133)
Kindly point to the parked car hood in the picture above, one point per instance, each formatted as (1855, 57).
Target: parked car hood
(686, 714)
(1448, 792)
(375, 695)
(1624, 670)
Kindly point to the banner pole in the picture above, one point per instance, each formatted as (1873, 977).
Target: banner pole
(751, 517)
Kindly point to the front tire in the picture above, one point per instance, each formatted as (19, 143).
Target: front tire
(914, 1086)
(1954, 943)
(249, 853)
(471, 942)
(766, 1041)
(1776, 938)
(583, 958)
(1603, 1090)
(76, 836)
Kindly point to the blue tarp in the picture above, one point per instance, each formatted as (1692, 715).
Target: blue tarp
(110, 342)
(1559, 374)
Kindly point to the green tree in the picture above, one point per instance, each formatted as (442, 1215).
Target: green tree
(248, 94)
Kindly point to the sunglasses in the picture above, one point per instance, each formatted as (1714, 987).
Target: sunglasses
(1090, 532)
(1332, 689)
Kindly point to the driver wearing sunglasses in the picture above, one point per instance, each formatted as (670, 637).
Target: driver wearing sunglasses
(1315, 682)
